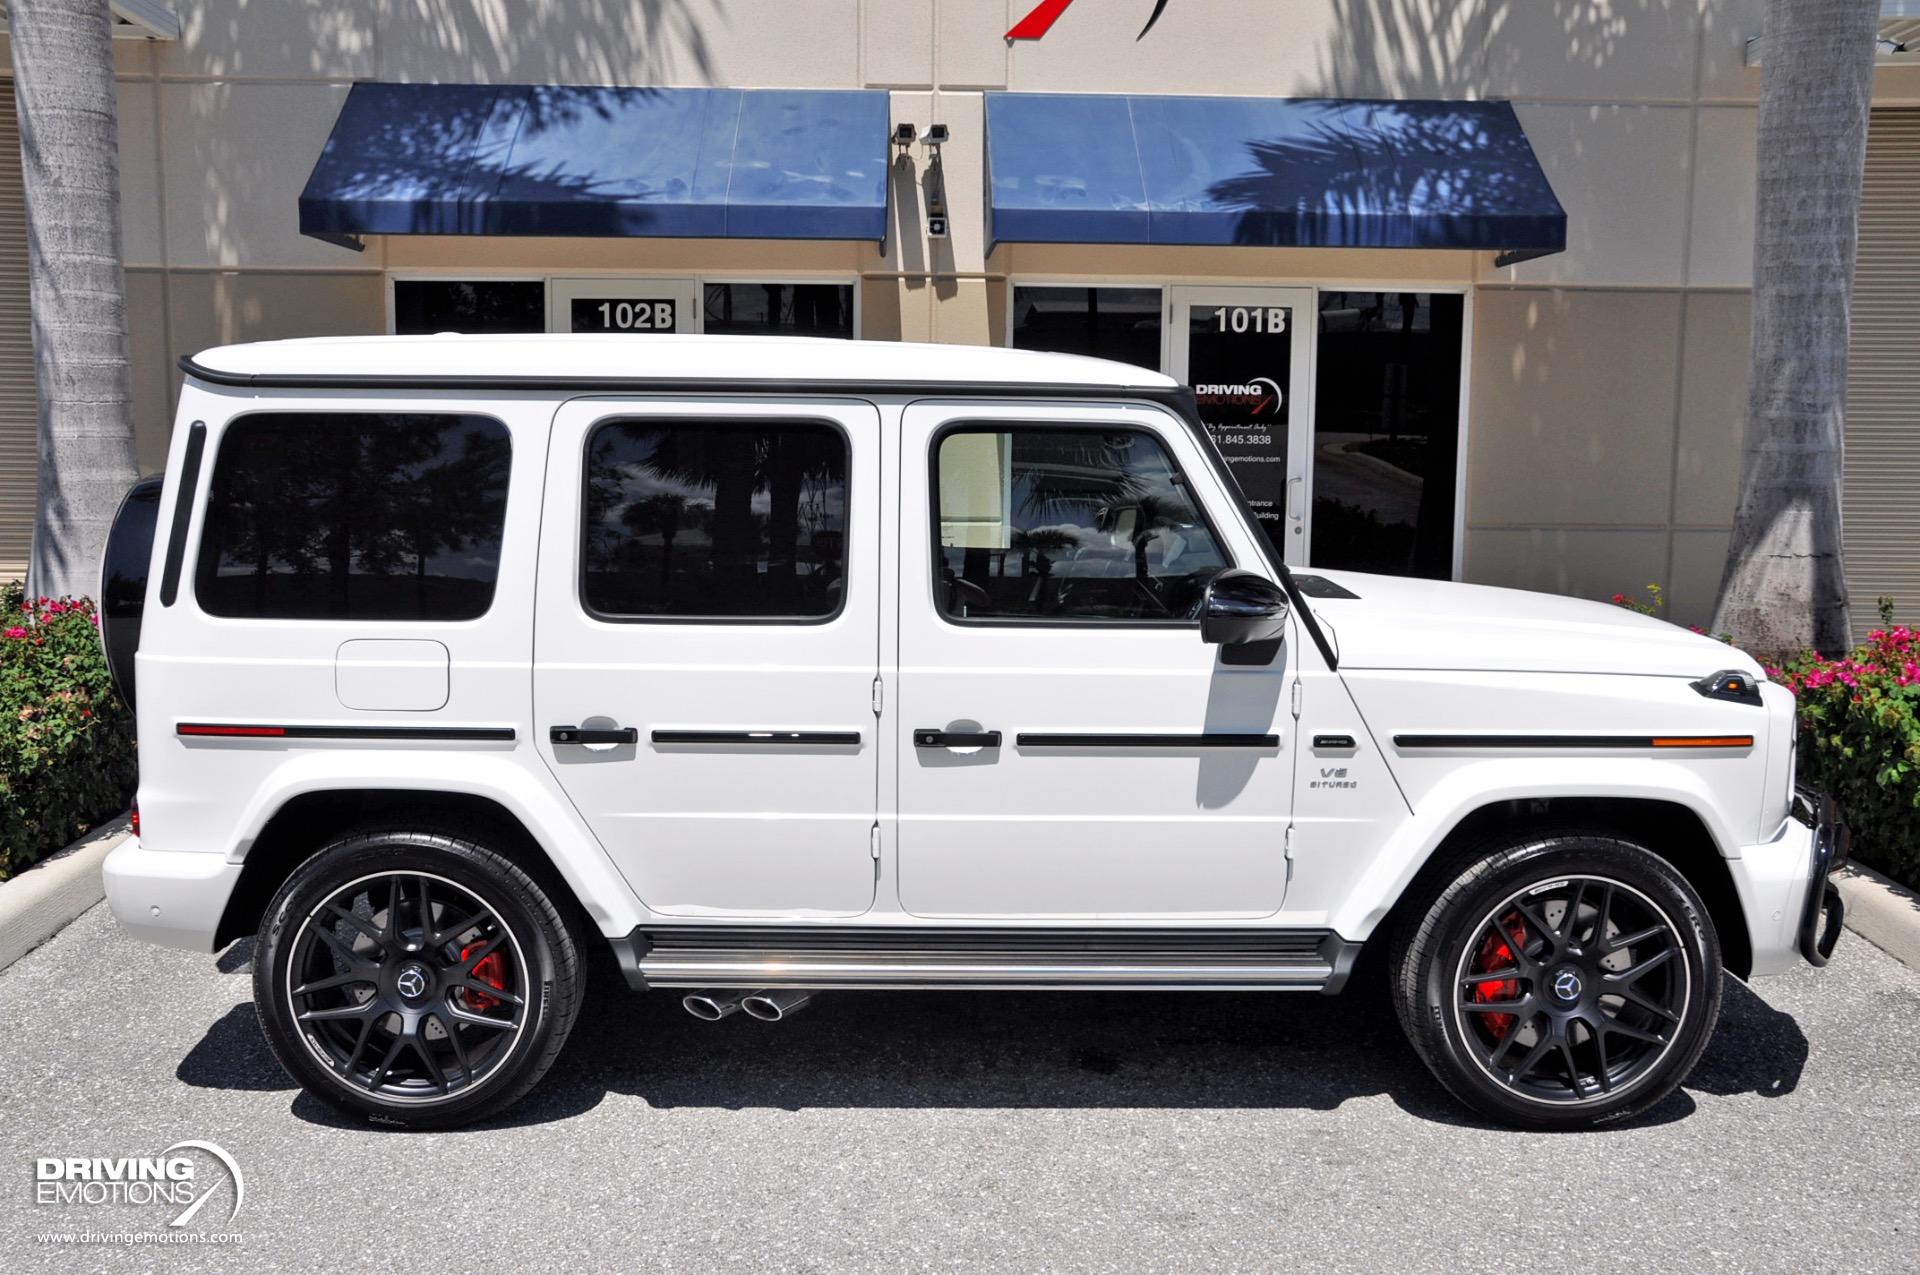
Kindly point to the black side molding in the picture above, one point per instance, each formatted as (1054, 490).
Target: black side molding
(1209, 739)
(767, 737)
(182, 512)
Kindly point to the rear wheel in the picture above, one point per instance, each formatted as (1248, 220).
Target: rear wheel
(415, 977)
(1561, 982)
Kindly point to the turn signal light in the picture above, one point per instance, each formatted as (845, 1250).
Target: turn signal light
(1703, 741)
(1730, 684)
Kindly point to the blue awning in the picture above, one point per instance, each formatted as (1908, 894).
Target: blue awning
(1320, 173)
(467, 159)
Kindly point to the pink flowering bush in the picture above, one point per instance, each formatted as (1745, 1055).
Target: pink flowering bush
(66, 740)
(1860, 739)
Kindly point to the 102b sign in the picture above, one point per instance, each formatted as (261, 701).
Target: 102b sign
(623, 314)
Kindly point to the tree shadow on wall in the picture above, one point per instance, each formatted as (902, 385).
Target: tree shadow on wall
(1409, 65)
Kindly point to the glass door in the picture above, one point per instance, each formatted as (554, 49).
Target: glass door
(1386, 430)
(1248, 354)
(622, 305)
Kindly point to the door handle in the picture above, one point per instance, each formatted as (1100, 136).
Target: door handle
(956, 739)
(593, 735)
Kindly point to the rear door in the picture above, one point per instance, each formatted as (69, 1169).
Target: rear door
(706, 643)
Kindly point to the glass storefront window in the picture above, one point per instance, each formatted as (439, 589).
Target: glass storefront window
(469, 305)
(520, 305)
(1386, 432)
(779, 309)
(1107, 323)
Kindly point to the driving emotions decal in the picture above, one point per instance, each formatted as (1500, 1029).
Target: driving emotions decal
(1043, 15)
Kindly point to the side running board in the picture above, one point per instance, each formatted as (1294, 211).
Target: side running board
(858, 956)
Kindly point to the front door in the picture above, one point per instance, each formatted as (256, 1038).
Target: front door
(622, 305)
(1068, 746)
(1248, 354)
(705, 647)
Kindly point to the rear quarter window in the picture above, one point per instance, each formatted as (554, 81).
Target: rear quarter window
(355, 516)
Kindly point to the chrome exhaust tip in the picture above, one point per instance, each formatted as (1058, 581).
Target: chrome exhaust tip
(710, 1006)
(772, 1007)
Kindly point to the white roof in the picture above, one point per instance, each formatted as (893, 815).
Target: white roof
(669, 357)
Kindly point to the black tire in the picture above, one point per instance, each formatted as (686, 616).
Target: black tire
(415, 977)
(1561, 981)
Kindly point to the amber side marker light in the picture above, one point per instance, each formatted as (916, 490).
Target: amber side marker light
(1703, 741)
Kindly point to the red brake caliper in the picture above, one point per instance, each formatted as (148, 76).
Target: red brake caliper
(1495, 954)
(491, 970)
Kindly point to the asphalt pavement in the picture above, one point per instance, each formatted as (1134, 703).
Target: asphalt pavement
(969, 1132)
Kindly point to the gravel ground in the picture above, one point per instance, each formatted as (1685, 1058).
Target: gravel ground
(945, 1131)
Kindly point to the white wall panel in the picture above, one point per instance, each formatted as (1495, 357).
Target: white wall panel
(1608, 50)
(1720, 240)
(237, 157)
(1621, 172)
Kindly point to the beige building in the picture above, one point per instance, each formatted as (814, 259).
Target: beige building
(1570, 422)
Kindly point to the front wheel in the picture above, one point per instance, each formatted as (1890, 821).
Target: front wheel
(414, 977)
(1561, 982)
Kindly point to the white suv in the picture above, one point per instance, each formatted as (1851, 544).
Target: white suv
(780, 666)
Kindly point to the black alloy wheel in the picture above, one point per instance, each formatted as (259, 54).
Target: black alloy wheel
(415, 976)
(405, 985)
(1572, 990)
(1560, 981)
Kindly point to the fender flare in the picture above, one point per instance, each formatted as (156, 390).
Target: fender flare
(548, 819)
(1486, 783)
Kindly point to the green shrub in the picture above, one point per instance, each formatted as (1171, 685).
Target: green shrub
(66, 740)
(1860, 740)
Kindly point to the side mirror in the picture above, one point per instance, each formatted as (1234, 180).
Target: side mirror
(1241, 607)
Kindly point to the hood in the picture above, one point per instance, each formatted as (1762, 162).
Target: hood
(1398, 623)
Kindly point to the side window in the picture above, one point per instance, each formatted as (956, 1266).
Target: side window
(715, 520)
(355, 516)
(1039, 522)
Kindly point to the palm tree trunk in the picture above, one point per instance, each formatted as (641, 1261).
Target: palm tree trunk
(63, 89)
(1785, 586)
